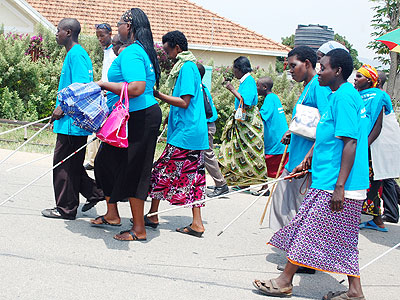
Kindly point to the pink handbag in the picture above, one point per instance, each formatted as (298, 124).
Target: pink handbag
(114, 130)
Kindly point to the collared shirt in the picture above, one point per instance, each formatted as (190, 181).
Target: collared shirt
(244, 77)
(108, 58)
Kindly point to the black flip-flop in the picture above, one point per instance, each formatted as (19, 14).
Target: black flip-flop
(132, 234)
(189, 231)
(104, 222)
(147, 222)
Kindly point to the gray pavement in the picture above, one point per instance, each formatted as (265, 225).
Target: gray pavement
(57, 259)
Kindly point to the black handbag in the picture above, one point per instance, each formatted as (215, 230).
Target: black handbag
(207, 104)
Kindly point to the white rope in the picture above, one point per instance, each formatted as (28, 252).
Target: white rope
(24, 143)
(48, 171)
(26, 125)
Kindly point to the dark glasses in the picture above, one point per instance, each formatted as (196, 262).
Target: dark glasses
(103, 26)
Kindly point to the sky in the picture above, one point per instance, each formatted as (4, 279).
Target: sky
(275, 19)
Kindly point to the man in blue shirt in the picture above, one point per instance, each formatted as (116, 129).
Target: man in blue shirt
(70, 178)
(210, 160)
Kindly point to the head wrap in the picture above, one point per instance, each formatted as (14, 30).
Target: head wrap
(328, 46)
(127, 16)
(369, 72)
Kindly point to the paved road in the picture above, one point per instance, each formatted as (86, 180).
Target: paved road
(55, 259)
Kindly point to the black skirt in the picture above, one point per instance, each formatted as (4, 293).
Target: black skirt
(125, 172)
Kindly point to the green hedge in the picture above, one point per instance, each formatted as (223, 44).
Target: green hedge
(31, 66)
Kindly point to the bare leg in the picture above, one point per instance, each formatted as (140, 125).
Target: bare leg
(197, 224)
(285, 279)
(378, 221)
(112, 215)
(137, 208)
(355, 289)
(154, 208)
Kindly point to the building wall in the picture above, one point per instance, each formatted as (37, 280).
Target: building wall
(227, 58)
(13, 19)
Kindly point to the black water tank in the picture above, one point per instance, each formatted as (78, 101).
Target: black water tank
(312, 35)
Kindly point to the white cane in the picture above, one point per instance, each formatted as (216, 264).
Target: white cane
(376, 258)
(29, 162)
(223, 195)
(48, 171)
(165, 128)
(24, 143)
(26, 125)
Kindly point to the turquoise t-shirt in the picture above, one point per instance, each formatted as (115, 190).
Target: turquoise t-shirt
(387, 103)
(313, 95)
(248, 90)
(214, 110)
(77, 67)
(187, 128)
(275, 124)
(133, 64)
(345, 117)
(373, 102)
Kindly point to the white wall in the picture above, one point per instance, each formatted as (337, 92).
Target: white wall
(226, 59)
(14, 20)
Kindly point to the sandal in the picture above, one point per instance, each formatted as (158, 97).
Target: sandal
(261, 192)
(270, 288)
(147, 222)
(103, 222)
(131, 233)
(371, 225)
(190, 231)
(340, 296)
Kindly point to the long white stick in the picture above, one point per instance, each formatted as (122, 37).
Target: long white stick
(48, 171)
(24, 143)
(376, 258)
(165, 128)
(29, 162)
(224, 195)
(238, 216)
(26, 125)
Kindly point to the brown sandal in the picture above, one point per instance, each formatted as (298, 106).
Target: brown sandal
(270, 288)
(340, 296)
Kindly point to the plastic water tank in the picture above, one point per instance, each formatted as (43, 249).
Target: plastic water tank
(312, 35)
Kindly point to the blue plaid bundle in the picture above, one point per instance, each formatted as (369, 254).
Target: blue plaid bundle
(85, 103)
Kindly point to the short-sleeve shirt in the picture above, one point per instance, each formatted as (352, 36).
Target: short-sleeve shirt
(275, 124)
(373, 102)
(248, 91)
(214, 110)
(187, 128)
(77, 67)
(133, 64)
(345, 117)
(387, 103)
(108, 58)
(313, 95)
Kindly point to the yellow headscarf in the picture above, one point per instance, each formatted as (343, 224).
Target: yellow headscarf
(369, 72)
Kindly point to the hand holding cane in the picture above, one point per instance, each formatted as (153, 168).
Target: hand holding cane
(273, 187)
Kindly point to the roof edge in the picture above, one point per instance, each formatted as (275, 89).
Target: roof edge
(237, 50)
(35, 14)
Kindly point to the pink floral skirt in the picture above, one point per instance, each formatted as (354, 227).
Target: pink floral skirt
(179, 176)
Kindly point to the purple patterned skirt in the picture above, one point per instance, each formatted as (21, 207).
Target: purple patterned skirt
(179, 176)
(320, 238)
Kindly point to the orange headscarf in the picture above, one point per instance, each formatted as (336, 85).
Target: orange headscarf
(369, 72)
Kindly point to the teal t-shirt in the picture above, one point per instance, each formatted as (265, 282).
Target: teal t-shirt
(77, 67)
(133, 64)
(248, 90)
(214, 110)
(187, 128)
(313, 95)
(275, 124)
(345, 117)
(387, 103)
(373, 102)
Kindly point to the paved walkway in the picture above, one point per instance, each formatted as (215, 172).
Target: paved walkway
(55, 259)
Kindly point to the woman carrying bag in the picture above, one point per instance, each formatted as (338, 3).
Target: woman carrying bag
(125, 172)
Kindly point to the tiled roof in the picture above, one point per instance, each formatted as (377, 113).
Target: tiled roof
(201, 26)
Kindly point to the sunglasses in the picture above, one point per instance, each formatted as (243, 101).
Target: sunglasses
(103, 26)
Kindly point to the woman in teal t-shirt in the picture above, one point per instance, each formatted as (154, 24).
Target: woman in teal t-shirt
(125, 172)
(242, 151)
(324, 233)
(178, 175)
